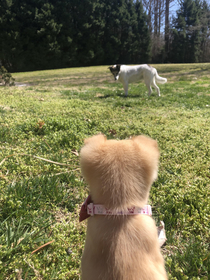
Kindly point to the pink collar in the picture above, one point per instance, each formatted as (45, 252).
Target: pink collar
(90, 209)
(99, 209)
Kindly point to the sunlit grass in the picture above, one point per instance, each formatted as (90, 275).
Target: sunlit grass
(42, 128)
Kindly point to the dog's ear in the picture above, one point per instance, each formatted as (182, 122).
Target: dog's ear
(118, 67)
(95, 139)
(110, 67)
(141, 139)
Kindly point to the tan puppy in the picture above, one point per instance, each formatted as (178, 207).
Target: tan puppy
(120, 174)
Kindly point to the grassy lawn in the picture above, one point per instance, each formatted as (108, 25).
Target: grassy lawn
(43, 122)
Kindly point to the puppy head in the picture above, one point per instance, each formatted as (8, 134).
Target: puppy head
(119, 173)
(115, 70)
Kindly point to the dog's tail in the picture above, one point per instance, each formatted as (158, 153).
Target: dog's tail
(159, 79)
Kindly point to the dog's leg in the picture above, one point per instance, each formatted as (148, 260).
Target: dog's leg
(148, 84)
(156, 87)
(125, 85)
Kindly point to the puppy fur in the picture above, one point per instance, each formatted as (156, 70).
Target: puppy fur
(130, 74)
(120, 174)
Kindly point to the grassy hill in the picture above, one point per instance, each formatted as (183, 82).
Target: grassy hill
(43, 122)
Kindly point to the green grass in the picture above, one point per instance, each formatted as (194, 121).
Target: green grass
(42, 128)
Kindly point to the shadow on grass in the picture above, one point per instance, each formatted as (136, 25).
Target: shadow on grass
(123, 96)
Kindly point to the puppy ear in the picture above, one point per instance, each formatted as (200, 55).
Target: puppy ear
(99, 138)
(141, 139)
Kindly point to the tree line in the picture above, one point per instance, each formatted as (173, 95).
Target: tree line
(47, 34)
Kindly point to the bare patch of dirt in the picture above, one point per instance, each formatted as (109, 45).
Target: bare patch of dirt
(201, 93)
(5, 108)
(99, 95)
(22, 85)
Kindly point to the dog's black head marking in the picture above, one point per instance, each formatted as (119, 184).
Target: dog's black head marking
(115, 69)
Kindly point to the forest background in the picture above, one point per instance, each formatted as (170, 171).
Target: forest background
(50, 34)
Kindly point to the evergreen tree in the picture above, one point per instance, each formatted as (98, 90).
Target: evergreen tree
(143, 40)
(205, 32)
(136, 37)
(128, 23)
(88, 30)
(46, 34)
(113, 16)
(9, 33)
(33, 35)
(186, 33)
(63, 13)
(126, 35)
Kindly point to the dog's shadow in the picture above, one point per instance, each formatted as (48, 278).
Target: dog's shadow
(120, 95)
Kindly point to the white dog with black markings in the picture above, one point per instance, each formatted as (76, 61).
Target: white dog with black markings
(131, 74)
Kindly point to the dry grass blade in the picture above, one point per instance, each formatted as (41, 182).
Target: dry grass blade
(41, 158)
(6, 158)
(42, 246)
(38, 276)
